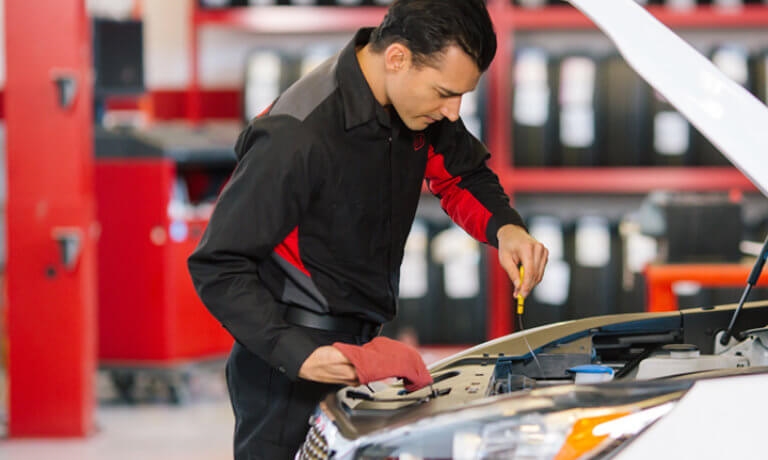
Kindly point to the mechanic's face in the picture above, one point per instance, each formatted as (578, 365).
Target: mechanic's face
(424, 94)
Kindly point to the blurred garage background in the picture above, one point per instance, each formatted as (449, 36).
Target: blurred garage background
(118, 122)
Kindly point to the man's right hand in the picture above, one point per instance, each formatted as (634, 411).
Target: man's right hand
(329, 365)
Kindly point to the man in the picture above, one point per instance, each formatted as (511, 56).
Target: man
(300, 260)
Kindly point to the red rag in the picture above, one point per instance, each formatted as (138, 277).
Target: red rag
(383, 358)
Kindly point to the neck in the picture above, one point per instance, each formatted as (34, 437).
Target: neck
(372, 66)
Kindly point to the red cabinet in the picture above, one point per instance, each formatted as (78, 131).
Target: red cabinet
(149, 313)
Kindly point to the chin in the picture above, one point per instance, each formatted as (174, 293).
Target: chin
(417, 125)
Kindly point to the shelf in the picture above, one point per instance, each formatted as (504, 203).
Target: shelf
(313, 19)
(292, 19)
(553, 17)
(508, 20)
(566, 17)
(660, 279)
(624, 180)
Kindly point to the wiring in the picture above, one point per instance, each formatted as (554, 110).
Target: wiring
(538, 364)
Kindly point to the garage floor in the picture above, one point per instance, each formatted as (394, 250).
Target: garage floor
(152, 430)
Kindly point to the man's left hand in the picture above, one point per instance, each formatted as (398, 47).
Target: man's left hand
(517, 247)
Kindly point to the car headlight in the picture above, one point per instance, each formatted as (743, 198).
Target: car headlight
(563, 435)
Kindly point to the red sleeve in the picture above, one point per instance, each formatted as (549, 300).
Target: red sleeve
(469, 191)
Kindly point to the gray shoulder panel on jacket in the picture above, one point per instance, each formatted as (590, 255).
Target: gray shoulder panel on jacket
(301, 98)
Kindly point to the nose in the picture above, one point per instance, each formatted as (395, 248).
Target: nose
(450, 109)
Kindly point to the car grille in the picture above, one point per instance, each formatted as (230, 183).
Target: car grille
(315, 446)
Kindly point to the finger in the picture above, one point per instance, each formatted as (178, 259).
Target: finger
(534, 270)
(538, 263)
(542, 264)
(516, 278)
(531, 272)
(510, 263)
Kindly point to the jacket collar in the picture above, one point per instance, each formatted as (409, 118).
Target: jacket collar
(360, 106)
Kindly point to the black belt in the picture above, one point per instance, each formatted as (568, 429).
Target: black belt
(346, 324)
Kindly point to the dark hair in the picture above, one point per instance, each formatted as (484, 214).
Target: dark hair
(428, 27)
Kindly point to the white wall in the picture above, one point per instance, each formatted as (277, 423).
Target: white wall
(116, 9)
(166, 43)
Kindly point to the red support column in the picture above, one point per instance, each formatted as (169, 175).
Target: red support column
(51, 228)
(499, 143)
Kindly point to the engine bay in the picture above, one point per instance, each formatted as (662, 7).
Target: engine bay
(631, 348)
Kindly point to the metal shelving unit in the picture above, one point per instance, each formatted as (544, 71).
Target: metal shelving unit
(509, 20)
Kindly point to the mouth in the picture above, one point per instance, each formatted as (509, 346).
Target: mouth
(430, 119)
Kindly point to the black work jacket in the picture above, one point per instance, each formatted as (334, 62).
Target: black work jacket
(320, 204)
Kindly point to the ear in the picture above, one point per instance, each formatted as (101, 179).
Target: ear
(397, 57)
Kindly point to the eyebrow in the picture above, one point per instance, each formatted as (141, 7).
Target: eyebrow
(447, 92)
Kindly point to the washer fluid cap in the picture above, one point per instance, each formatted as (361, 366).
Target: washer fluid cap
(591, 369)
(591, 373)
(682, 350)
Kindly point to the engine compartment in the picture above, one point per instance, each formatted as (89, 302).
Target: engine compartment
(641, 357)
(634, 347)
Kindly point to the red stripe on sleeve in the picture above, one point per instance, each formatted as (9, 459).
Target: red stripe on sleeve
(459, 203)
(289, 250)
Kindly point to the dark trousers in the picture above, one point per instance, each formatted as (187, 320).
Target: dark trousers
(271, 411)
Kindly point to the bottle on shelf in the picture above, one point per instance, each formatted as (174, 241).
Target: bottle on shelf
(472, 110)
(759, 71)
(534, 128)
(670, 133)
(733, 60)
(578, 130)
(548, 302)
(267, 74)
(623, 112)
(596, 271)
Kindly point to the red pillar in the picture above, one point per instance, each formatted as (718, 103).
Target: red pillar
(51, 228)
(499, 142)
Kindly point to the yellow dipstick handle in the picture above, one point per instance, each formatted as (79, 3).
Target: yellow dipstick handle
(521, 299)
